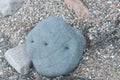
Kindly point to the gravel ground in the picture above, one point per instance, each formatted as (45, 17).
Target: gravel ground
(101, 60)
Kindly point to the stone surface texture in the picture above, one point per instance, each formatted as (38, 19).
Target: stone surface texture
(55, 47)
(18, 59)
(9, 7)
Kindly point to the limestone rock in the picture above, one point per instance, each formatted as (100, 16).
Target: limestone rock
(9, 7)
(54, 47)
(18, 59)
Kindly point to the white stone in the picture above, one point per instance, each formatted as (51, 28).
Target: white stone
(18, 59)
(9, 7)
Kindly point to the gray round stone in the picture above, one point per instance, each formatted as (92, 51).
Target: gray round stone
(55, 47)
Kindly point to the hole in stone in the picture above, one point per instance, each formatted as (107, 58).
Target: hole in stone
(66, 47)
(45, 44)
(32, 41)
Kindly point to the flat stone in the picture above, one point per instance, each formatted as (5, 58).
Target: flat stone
(18, 59)
(55, 47)
(9, 7)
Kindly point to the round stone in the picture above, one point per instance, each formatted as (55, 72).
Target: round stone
(55, 47)
(9, 7)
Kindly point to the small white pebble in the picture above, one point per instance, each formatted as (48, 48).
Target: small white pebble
(109, 2)
(118, 9)
(21, 42)
(91, 37)
(1, 40)
(90, 77)
(1, 72)
(0, 51)
(112, 56)
(86, 58)
(87, 69)
(104, 56)
(98, 52)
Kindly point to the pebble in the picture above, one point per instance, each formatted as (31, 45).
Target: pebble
(79, 7)
(0, 51)
(18, 59)
(55, 47)
(82, 79)
(9, 7)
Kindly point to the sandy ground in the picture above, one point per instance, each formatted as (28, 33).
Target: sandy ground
(101, 60)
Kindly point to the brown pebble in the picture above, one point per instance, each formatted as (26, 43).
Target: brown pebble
(79, 7)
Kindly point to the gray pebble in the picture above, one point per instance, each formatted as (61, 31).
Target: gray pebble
(54, 47)
(9, 7)
(18, 59)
